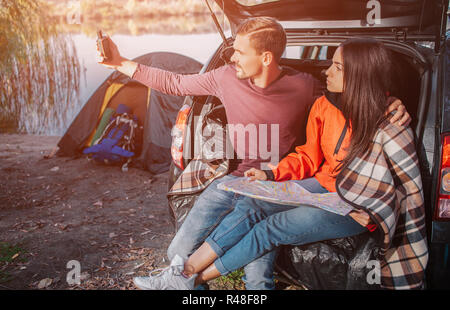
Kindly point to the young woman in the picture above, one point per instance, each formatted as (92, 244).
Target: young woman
(351, 148)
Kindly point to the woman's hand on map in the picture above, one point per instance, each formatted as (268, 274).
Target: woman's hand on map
(255, 174)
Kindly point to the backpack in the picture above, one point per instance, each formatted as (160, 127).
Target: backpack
(119, 141)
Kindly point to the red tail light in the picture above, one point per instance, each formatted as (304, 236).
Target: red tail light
(443, 200)
(178, 132)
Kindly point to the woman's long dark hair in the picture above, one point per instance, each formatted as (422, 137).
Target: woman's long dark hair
(367, 80)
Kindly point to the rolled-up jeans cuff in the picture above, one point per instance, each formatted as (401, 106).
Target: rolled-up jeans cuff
(216, 248)
(219, 252)
(220, 267)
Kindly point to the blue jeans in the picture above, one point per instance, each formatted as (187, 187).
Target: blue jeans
(256, 227)
(209, 210)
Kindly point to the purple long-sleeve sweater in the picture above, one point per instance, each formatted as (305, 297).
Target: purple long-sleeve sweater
(255, 113)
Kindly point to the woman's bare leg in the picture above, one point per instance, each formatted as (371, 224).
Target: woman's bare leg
(209, 273)
(202, 258)
(202, 263)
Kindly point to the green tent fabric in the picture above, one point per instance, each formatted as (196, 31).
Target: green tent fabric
(157, 117)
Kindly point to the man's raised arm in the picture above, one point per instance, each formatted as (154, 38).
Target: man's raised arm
(162, 80)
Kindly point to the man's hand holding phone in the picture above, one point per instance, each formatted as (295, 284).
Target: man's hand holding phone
(107, 52)
(109, 56)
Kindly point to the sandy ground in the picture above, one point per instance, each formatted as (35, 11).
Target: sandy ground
(115, 224)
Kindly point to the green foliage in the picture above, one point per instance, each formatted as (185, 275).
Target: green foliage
(9, 254)
(232, 281)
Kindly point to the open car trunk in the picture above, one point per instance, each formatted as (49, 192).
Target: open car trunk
(419, 20)
(332, 264)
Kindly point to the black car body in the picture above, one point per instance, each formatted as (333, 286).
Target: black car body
(416, 31)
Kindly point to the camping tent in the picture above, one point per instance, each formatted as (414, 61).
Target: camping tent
(156, 112)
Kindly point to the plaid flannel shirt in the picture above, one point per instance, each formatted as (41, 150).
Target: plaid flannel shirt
(386, 183)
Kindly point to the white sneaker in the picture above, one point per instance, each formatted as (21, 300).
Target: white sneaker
(169, 278)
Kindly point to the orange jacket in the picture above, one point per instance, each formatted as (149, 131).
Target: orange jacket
(316, 157)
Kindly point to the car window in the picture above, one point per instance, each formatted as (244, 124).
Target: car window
(308, 52)
(254, 2)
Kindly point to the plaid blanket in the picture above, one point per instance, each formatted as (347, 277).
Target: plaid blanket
(386, 183)
(198, 174)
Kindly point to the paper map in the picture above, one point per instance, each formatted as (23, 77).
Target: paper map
(289, 193)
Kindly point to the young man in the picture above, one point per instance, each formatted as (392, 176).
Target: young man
(254, 90)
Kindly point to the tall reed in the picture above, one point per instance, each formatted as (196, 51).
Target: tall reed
(39, 70)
